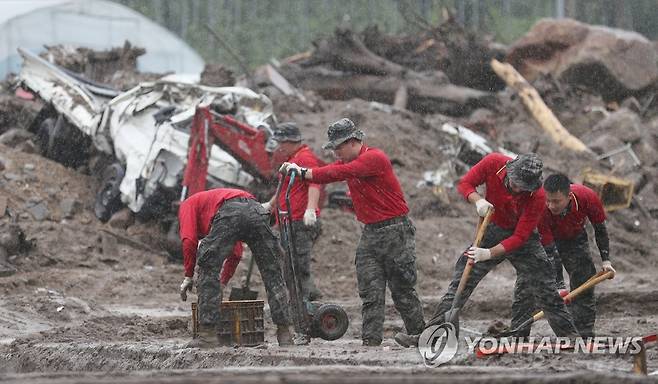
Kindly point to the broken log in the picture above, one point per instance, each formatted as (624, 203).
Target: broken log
(134, 243)
(346, 52)
(538, 109)
(448, 47)
(267, 74)
(431, 94)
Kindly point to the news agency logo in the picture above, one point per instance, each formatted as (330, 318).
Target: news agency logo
(438, 344)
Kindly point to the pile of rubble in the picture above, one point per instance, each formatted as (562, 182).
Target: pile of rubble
(601, 83)
(601, 86)
(437, 71)
(116, 67)
(434, 103)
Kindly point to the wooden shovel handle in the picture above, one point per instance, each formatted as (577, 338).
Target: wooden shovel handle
(482, 226)
(596, 279)
(479, 234)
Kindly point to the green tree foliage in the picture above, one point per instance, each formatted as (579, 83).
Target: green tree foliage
(263, 29)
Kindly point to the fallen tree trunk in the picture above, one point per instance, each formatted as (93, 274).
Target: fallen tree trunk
(431, 94)
(346, 52)
(531, 99)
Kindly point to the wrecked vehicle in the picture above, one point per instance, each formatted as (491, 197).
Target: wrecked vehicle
(144, 132)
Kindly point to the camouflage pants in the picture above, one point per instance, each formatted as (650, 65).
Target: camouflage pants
(305, 238)
(240, 219)
(386, 254)
(574, 254)
(534, 279)
(554, 257)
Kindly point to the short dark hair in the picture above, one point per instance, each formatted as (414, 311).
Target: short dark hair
(558, 182)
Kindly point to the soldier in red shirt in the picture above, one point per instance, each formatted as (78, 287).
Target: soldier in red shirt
(304, 201)
(386, 254)
(513, 189)
(214, 221)
(562, 230)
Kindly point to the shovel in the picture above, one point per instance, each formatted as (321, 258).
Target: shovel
(244, 293)
(452, 316)
(594, 280)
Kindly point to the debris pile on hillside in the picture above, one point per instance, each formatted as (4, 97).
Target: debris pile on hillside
(431, 101)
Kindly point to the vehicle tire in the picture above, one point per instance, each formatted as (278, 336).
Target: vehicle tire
(330, 322)
(62, 142)
(108, 196)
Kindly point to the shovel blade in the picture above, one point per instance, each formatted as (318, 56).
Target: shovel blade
(239, 294)
(452, 317)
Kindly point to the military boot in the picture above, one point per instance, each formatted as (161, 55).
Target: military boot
(405, 340)
(283, 335)
(206, 338)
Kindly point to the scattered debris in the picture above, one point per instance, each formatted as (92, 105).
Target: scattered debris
(17, 112)
(465, 150)
(15, 136)
(538, 108)
(116, 67)
(217, 75)
(267, 74)
(615, 193)
(13, 239)
(343, 67)
(132, 242)
(122, 219)
(626, 149)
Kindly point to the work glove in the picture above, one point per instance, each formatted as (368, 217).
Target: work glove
(288, 167)
(184, 287)
(483, 206)
(478, 254)
(267, 205)
(310, 218)
(607, 266)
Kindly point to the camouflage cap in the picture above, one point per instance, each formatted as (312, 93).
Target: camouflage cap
(526, 171)
(340, 131)
(287, 132)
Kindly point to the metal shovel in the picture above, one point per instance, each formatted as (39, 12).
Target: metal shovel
(452, 316)
(244, 293)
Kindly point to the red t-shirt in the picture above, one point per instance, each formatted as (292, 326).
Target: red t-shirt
(305, 158)
(195, 216)
(585, 204)
(520, 212)
(376, 192)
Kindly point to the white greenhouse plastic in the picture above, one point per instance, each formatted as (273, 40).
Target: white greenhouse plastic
(95, 24)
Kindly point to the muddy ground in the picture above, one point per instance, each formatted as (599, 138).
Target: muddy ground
(82, 301)
(87, 305)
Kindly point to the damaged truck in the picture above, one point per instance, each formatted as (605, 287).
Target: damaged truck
(141, 135)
